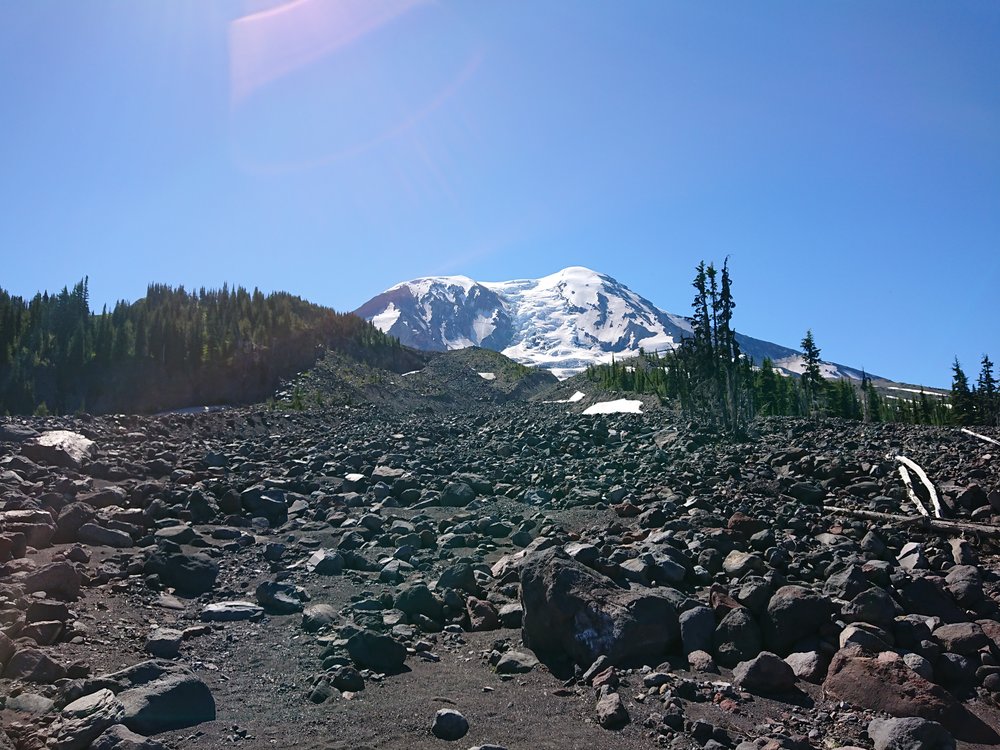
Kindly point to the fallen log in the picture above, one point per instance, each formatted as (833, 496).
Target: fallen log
(922, 475)
(981, 437)
(923, 522)
(905, 476)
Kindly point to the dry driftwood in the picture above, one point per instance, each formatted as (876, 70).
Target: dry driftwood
(923, 522)
(922, 475)
(905, 476)
(981, 437)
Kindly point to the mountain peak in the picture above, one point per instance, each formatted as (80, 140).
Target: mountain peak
(563, 322)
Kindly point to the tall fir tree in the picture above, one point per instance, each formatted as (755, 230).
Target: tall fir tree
(812, 376)
(987, 399)
(963, 407)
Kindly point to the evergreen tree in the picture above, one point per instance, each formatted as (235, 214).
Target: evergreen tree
(987, 406)
(812, 376)
(963, 407)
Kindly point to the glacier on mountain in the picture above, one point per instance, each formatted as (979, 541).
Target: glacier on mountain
(562, 322)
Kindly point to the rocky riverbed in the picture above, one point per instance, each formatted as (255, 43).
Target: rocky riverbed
(513, 576)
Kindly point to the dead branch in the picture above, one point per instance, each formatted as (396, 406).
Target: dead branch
(923, 522)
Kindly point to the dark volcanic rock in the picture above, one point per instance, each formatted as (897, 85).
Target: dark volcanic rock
(891, 686)
(766, 673)
(572, 611)
(793, 613)
(449, 725)
(191, 573)
(375, 651)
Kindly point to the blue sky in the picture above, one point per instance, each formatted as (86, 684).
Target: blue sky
(845, 155)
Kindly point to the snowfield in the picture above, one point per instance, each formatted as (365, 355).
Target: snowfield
(621, 406)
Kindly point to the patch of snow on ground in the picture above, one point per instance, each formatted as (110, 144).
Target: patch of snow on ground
(411, 372)
(621, 406)
(578, 396)
(915, 390)
(487, 375)
(387, 318)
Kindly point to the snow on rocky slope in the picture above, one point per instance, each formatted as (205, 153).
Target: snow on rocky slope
(562, 322)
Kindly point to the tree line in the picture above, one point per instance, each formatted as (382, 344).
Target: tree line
(711, 380)
(55, 353)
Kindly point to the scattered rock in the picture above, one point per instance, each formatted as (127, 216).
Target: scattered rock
(449, 725)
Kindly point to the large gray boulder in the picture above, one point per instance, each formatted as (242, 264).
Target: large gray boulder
(572, 611)
(159, 696)
(911, 733)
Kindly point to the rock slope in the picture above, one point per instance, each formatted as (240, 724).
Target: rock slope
(510, 575)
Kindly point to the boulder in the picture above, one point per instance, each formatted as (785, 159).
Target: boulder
(611, 711)
(99, 536)
(69, 450)
(318, 616)
(84, 720)
(33, 665)
(449, 725)
(190, 573)
(164, 643)
(928, 595)
(159, 696)
(737, 638)
(965, 638)
(887, 684)
(325, 562)
(120, 737)
(59, 580)
(697, 626)
(231, 611)
(766, 674)
(36, 526)
(420, 600)
(572, 611)
(457, 495)
(809, 666)
(375, 651)
(911, 733)
(516, 662)
(280, 598)
(482, 614)
(793, 613)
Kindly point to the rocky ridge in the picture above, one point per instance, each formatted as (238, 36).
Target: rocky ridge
(506, 575)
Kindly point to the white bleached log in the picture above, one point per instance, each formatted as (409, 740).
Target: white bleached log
(981, 437)
(922, 476)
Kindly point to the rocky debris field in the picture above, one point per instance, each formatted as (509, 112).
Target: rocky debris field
(511, 577)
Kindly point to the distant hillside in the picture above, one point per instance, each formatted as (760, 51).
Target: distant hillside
(455, 381)
(172, 348)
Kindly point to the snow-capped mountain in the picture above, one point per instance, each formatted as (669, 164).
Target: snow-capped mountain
(563, 322)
